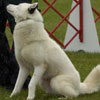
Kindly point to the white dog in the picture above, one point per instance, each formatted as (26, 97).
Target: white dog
(34, 49)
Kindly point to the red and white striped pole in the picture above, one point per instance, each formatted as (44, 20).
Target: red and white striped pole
(81, 20)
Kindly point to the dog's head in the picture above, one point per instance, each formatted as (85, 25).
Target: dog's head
(24, 11)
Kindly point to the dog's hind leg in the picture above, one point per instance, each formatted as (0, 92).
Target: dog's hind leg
(38, 73)
(64, 85)
(45, 85)
(23, 73)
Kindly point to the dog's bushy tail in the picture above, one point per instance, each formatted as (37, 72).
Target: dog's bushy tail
(92, 82)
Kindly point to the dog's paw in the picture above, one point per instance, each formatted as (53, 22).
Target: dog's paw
(13, 94)
(63, 97)
(31, 98)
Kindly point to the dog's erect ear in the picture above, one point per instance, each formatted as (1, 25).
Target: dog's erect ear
(32, 8)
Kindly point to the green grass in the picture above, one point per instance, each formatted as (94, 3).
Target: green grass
(84, 62)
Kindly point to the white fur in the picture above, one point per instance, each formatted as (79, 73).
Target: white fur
(53, 70)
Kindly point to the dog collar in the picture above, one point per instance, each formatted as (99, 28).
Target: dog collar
(28, 19)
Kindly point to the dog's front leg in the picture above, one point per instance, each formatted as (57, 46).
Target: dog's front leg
(23, 73)
(38, 72)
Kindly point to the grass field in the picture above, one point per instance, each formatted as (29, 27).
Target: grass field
(84, 62)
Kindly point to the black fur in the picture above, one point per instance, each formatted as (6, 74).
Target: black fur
(32, 9)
